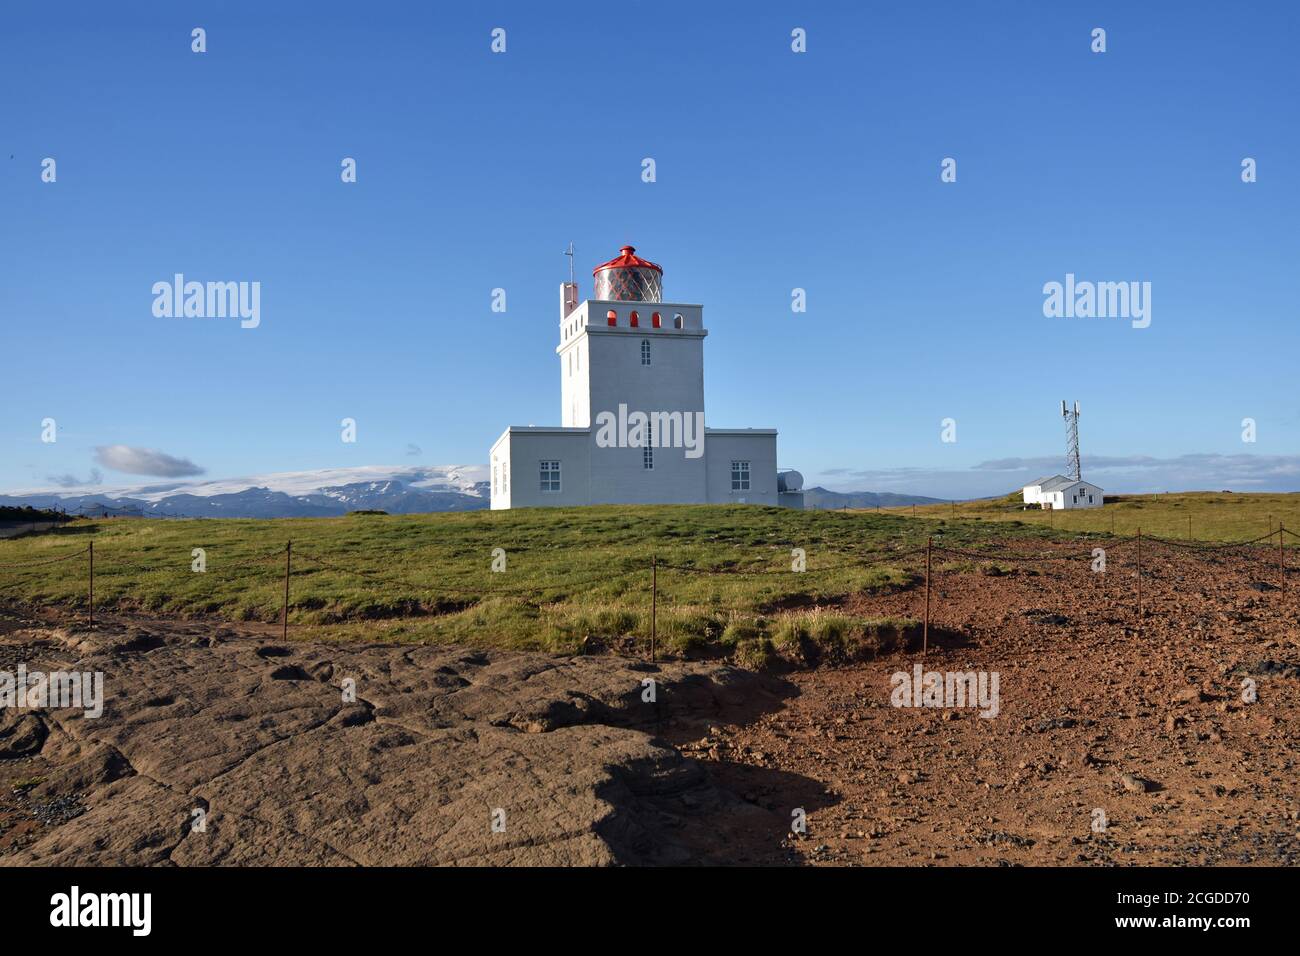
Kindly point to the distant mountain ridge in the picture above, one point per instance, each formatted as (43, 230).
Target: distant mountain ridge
(336, 491)
(317, 494)
(820, 499)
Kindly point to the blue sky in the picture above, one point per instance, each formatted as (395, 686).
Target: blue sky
(775, 170)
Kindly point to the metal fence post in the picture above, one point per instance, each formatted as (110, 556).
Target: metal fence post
(1139, 560)
(1281, 556)
(288, 554)
(654, 602)
(925, 628)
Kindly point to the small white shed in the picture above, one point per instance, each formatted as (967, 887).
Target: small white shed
(1060, 493)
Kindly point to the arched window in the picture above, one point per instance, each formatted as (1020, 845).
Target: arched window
(678, 321)
(613, 317)
(634, 317)
(645, 351)
(654, 320)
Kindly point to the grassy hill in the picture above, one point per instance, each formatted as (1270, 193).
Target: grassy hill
(571, 574)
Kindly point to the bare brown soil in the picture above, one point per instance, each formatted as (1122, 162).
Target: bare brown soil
(1149, 729)
(1085, 700)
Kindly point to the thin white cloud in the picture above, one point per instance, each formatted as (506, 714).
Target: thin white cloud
(72, 481)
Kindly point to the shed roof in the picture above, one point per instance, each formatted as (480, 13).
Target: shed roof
(1057, 482)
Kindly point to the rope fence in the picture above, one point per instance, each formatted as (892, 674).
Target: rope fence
(860, 561)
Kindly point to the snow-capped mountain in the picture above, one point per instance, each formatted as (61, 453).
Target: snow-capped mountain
(292, 494)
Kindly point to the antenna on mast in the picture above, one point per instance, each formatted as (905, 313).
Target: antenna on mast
(1072, 439)
(569, 252)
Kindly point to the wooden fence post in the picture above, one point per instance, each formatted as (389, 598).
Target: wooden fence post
(654, 603)
(925, 628)
(288, 554)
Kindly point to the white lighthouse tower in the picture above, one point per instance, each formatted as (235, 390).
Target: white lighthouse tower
(632, 407)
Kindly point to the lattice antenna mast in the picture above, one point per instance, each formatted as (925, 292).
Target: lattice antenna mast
(569, 252)
(1072, 440)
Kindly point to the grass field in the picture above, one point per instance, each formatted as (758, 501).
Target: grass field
(1213, 516)
(570, 574)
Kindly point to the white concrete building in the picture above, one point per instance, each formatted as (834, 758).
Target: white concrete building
(632, 411)
(1059, 492)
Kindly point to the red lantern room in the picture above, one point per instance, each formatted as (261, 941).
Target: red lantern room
(629, 278)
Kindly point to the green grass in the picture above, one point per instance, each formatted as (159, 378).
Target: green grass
(1215, 516)
(428, 578)
(573, 576)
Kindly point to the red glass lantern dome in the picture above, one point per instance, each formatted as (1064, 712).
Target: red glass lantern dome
(629, 278)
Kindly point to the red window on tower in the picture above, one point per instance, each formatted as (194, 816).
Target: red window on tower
(654, 320)
(634, 318)
(613, 317)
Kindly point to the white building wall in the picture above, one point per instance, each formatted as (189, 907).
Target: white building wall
(499, 466)
(618, 475)
(1076, 496)
(601, 368)
(524, 449)
(755, 445)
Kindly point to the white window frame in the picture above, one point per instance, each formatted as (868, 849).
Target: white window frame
(645, 351)
(740, 475)
(548, 475)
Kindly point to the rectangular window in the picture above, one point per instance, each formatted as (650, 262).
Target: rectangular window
(496, 481)
(740, 476)
(550, 476)
(505, 478)
(645, 352)
(648, 457)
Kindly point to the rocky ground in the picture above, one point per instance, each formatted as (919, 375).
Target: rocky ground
(440, 744)
(1110, 746)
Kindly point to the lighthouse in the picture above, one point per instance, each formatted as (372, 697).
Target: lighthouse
(632, 410)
